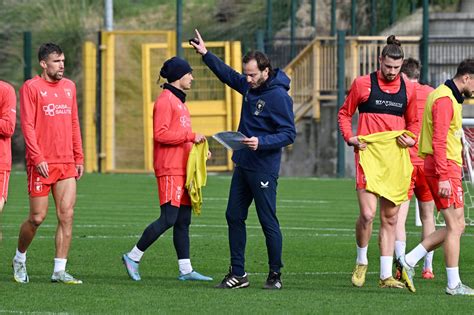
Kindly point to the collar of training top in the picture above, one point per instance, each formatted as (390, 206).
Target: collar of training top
(177, 92)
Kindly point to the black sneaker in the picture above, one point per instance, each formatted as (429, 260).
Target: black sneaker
(232, 281)
(273, 281)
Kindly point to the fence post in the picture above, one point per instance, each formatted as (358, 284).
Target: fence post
(333, 17)
(373, 17)
(353, 17)
(27, 55)
(293, 29)
(393, 12)
(179, 27)
(260, 40)
(424, 41)
(341, 93)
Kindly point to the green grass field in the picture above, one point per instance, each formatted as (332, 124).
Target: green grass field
(317, 218)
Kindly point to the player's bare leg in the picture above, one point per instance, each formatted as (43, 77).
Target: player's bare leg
(64, 193)
(367, 210)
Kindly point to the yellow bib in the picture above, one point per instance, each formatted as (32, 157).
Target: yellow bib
(196, 174)
(387, 166)
(454, 138)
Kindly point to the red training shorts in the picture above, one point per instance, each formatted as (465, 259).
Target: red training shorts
(457, 196)
(419, 186)
(171, 189)
(38, 186)
(4, 179)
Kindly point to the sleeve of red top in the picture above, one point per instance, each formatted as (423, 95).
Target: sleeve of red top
(344, 117)
(27, 118)
(442, 112)
(8, 113)
(76, 134)
(411, 115)
(161, 126)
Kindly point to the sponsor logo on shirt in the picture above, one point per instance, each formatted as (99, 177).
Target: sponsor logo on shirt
(458, 133)
(185, 121)
(264, 185)
(387, 103)
(44, 93)
(68, 93)
(56, 109)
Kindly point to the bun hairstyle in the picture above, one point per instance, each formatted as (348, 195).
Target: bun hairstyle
(393, 49)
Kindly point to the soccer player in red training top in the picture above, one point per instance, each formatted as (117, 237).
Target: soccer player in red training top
(54, 158)
(7, 127)
(411, 68)
(441, 147)
(173, 139)
(370, 94)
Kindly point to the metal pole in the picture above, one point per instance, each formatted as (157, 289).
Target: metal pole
(269, 20)
(424, 41)
(393, 12)
(412, 6)
(109, 15)
(333, 17)
(27, 55)
(353, 17)
(313, 15)
(373, 17)
(293, 29)
(179, 27)
(98, 96)
(341, 93)
(260, 40)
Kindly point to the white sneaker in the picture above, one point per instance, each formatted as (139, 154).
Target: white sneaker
(19, 271)
(461, 289)
(63, 277)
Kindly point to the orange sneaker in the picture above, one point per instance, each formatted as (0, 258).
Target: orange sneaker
(427, 274)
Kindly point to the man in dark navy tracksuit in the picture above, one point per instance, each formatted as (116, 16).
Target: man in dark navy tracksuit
(268, 122)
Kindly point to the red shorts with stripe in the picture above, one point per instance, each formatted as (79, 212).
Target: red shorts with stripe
(4, 180)
(38, 186)
(457, 195)
(171, 189)
(418, 186)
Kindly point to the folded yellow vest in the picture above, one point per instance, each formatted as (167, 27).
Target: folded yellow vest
(196, 174)
(387, 166)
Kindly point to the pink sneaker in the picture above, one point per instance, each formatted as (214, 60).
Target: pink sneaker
(427, 274)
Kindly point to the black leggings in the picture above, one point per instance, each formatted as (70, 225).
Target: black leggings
(171, 216)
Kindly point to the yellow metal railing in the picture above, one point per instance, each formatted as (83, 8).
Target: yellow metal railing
(313, 72)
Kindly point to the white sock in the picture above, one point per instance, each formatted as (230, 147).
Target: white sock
(362, 255)
(429, 261)
(59, 264)
(135, 254)
(415, 255)
(453, 277)
(19, 256)
(386, 267)
(400, 247)
(185, 266)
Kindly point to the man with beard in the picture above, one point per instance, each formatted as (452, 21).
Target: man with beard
(386, 102)
(54, 158)
(267, 121)
(441, 147)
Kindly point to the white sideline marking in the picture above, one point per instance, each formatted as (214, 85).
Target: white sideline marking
(35, 312)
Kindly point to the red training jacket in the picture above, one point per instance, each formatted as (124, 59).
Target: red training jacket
(7, 124)
(50, 123)
(369, 122)
(172, 135)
